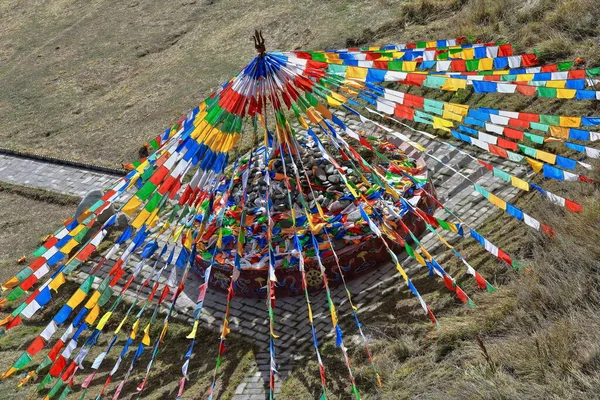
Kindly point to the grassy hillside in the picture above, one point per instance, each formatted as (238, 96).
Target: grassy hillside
(26, 216)
(95, 80)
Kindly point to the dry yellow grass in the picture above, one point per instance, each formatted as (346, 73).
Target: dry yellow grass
(95, 80)
(25, 220)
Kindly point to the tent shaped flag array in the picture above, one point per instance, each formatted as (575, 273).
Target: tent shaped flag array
(268, 177)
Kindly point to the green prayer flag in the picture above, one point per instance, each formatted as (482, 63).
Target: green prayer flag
(57, 386)
(395, 65)
(65, 393)
(24, 274)
(153, 203)
(70, 267)
(18, 310)
(482, 191)
(409, 250)
(534, 138)
(105, 296)
(593, 71)
(530, 151)
(47, 379)
(87, 284)
(15, 294)
(549, 119)
(546, 92)
(472, 65)
(146, 191)
(443, 224)
(501, 174)
(22, 361)
(539, 127)
(564, 66)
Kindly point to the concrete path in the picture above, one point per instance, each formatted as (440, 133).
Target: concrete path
(57, 178)
(249, 316)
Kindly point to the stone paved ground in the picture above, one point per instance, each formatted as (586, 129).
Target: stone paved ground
(249, 316)
(57, 178)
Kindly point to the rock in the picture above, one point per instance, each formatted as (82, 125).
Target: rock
(330, 169)
(89, 200)
(354, 216)
(345, 203)
(336, 206)
(285, 223)
(334, 178)
(122, 221)
(320, 174)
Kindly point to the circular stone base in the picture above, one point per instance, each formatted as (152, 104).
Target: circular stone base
(355, 260)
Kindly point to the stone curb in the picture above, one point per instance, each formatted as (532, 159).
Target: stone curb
(62, 161)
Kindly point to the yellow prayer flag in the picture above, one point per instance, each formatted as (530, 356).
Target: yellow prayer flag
(401, 270)
(443, 124)
(425, 252)
(164, 331)
(498, 202)
(225, 329)
(420, 259)
(273, 333)
(486, 64)
(121, 325)
(146, 339)
(409, 66)
(76, 299)
(468, 53)
(524, 77)
(556, 84)
(546, 157)
(356, 73)
(134, 329)
(333, 102)
(459, 109)
(565, 93)
(70, 245)
(535, 165)
(131, 205)
(519, 183)
(77, 229)
(559, 132)
(92, 300)
(192, 334)
(91, 317)
(452, 116)
(441, 239)
(11, 283)
(570, 122)
(338, 97)
(103, 320)
(140, 219)
(57, 281)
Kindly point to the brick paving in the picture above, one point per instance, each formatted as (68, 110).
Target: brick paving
(57, 178)
(249, 316)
